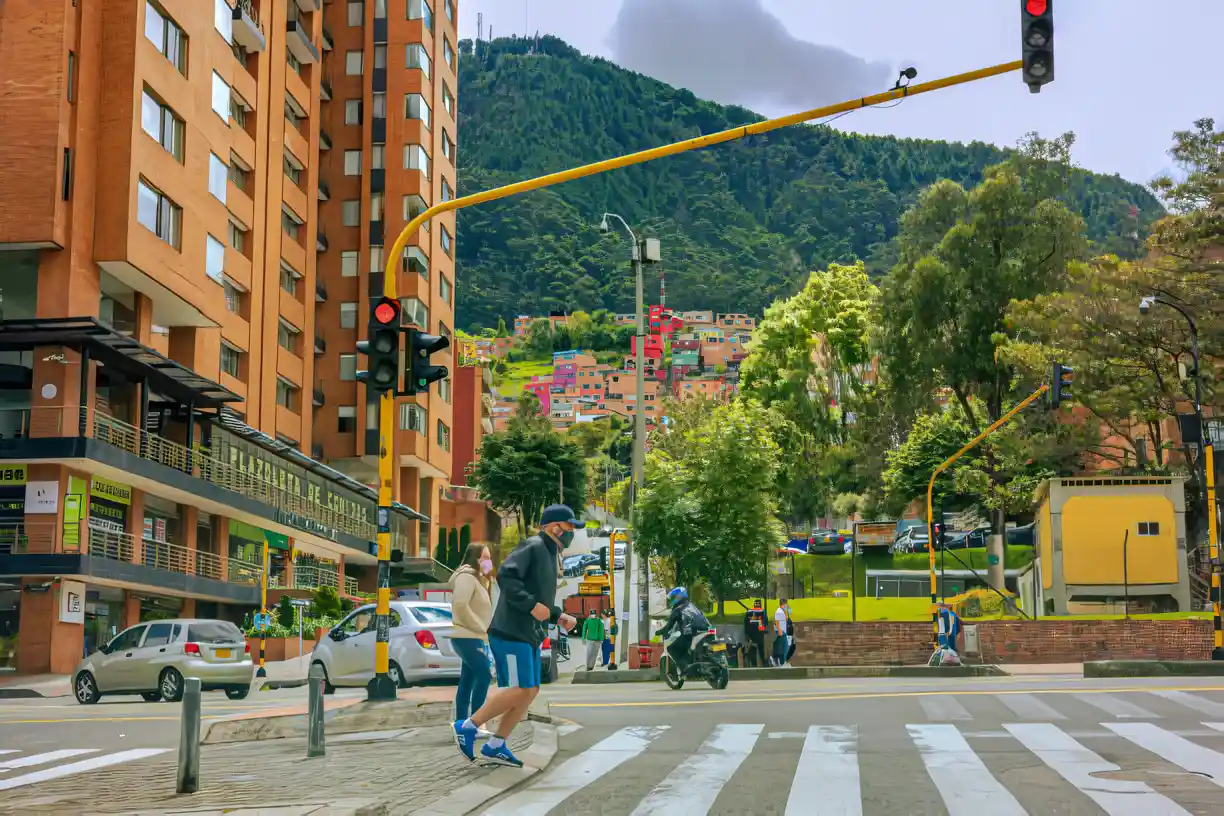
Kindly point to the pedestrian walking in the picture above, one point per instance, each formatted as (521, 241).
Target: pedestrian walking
(781, 646)
(754, 634)
(525, 608)
(471, 612)
(610, 629)
(593, 638)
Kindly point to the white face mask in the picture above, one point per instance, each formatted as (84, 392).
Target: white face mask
(486, 566)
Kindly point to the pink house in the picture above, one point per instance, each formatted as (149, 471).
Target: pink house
(542, 388)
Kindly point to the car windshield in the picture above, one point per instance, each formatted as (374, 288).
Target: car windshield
(430, 614)
(213, 632)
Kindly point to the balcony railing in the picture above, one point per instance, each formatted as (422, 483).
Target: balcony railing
(321, 241)
(305, 577)
(325, 89)
(324, 191)
(350, 585)
(319, 398)
(81, 539)
(320, 345)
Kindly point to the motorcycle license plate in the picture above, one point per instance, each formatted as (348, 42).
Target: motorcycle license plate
(719, 647)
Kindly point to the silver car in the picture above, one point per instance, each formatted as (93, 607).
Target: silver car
(419, 641)
(153, 659)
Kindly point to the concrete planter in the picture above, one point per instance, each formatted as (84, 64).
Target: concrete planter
(280, 648)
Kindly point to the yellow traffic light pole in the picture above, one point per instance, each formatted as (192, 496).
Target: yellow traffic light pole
(1213, 546)
(380, 686)
(947, 463)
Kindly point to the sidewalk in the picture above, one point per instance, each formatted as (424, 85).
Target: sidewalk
(396, 772)
(281, 674)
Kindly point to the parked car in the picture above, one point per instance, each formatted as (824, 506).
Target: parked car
(574, 565)
(914, 539)
(154, 659)
(830, 542)
(419, 640)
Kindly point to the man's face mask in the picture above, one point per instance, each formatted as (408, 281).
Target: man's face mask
(566, 537)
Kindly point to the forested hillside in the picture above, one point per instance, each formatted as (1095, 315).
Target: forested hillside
(740, 223)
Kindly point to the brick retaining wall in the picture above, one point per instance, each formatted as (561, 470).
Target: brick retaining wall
(899, 643)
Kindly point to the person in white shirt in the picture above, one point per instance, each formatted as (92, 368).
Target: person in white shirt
(781, 646)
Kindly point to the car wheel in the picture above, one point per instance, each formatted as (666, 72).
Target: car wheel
(85, 688)
(396, 675)
(151, 696)
(171, 685)
(328, 688)
(237, 692)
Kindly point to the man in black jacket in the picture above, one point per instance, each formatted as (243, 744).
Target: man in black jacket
(528, 583)
(754, 633)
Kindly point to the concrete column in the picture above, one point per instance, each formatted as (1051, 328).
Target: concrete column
(340, 573)
(44, 645)
(189, 521)
(44, 531)
(135, 525)
(131, 609)
(221, 537)
(144, 318)
(189, 608)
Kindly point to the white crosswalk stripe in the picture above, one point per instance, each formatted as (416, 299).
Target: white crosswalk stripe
(1029, 707)
(829, 754)
(943, 707)
(1082, 768)
(690, 790)
(1194, 702)
(1176, 749)
(967, 787)
(53, 771)
(1116, 707)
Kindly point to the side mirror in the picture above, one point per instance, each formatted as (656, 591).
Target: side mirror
(337, 635)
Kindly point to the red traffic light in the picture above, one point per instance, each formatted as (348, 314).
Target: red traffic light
(1036, 7)
(387, 312)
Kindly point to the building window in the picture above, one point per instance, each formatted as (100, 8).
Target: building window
(380, 57)
(420, 10)
(448, 147)
(415, 158)
(450, 10)
(378, 156)
(214, 259)
(218, 175)
(233, 297)
(413, 418)
(415, 107)
(380, 9)
(444, 289)
(352, 162)
(70, 90)
(231, 359)
(414, 205)
(348, 315)
(292, 171)
(417, 261)
(352, 111)
(443, 436)
(379, 103)
(447, 192)
(167, 37)
(291, 223)
(294, 114)
(350, 213)
(237, 236)
(292, 61)
(448, 52)
(354, 62)
(239, 176)
(346, 419)
(356, 14)
(286, 393)
(348, 367)
(289, 278)
(415, 311)
(444, 390)
(238, 111)
(160, 122)
(448, 101)
(447, 245)
(287, 336)
(417, 57)
(376, 258)
(1149, 528)
(158, 214)
(220, 97)
(348, 259)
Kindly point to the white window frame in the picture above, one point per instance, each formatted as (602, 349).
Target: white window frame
(218, 176)
(354, 60)
(352, 111)
(223, 20)
(352, 162)
(350, 270)
(346, 209)
(416, 157)
(423, 113)
(214, 258)
(348, 368)
(358, 7)
(348, 314)
(416, 57)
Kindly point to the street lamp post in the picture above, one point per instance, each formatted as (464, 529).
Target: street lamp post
(645, 250)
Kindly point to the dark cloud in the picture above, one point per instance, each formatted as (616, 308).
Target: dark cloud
(736, 52)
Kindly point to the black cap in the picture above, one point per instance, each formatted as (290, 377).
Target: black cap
(557, 513)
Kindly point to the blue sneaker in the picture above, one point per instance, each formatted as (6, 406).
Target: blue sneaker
(465, 738)
(500, 756)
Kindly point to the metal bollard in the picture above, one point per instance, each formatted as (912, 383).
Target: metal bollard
(314, 716)
(189, 739)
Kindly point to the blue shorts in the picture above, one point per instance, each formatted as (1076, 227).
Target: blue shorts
(517, 663)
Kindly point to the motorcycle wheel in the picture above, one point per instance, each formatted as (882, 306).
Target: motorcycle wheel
(718, 677)
(671, 673)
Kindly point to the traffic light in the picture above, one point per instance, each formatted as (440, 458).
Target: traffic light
(418, 372)
(381, 346)
(603, 558)
(1037, 42)
(1060, 385)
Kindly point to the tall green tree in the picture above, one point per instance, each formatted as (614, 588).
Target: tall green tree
(523, 468)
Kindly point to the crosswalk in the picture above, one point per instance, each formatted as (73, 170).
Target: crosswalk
(1121, 754)
(18, 768)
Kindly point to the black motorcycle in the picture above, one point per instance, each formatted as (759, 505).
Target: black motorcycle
(707, 661)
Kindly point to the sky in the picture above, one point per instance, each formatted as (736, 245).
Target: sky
(1127, 75)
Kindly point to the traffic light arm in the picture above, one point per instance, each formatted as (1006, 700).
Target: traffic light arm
(947, 463)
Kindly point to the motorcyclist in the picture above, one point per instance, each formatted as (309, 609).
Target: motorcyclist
(686, 618)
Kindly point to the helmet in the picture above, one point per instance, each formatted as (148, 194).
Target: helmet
(677, 595)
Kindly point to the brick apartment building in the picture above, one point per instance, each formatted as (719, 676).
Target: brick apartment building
(189, 222)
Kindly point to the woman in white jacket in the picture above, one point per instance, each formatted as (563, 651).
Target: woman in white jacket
(472, 610)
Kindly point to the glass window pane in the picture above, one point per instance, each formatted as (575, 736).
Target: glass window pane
(348, 367)
(356, 14)
(352, 111)
(220, 96)
(348, 263)
(218, 175)
(379, 102)
(146, 206)
(215, 260)
(353, 61)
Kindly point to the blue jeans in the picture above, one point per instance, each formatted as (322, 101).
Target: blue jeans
(473, 676)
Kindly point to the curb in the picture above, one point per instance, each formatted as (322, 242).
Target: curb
(543, 748)
(273, 685)
(801, 673)
(1154, 668)
(24, 694)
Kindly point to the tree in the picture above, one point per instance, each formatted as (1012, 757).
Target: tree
(502, 331)
(521, 469)
(539, 338)
(285, 614)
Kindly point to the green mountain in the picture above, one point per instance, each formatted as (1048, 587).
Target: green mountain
(740, 223)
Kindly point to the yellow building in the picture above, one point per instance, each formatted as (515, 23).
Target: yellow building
(1082, 524)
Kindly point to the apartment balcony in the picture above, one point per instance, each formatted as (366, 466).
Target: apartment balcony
(321, 242)
(325, 90)
(298, 42)
(319, 397)
(316, 451)
(320, 292)
(324, 191)
(325, 142)
(328, 43)
(308, 6)
(247, 30)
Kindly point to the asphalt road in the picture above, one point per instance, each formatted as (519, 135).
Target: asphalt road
(1038, 745)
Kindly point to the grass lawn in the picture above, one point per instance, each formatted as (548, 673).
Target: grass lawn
(904, 609)
(511, 382)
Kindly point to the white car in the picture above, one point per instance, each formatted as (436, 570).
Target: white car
(419, 641)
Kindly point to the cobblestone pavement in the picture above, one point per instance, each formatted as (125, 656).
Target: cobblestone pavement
(402, 770)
